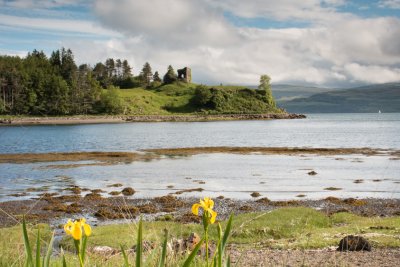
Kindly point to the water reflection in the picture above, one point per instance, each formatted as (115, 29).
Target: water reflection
(231, 175)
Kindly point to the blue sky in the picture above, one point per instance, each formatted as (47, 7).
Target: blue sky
(332, 43)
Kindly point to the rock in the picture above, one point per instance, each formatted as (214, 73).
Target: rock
(180, 246)
(264, 200)
(192, 241)
(104, 213)
(354, 202)
(104, 250)
(146, 246)
(128, 191)
(354, 243)
(115, 185)
(93, 196)
(255, 194)
(312, 173)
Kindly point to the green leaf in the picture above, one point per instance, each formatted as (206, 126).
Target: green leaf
(126, 261)
(38, 248)
(64, 262)
(139, 245)
(28, 250)
(83, 248)
(220, 246)
(164, 251)
(228, 263)
(190, 258)
(46, 259)
(227, 231)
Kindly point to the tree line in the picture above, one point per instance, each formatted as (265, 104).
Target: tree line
(55, 85)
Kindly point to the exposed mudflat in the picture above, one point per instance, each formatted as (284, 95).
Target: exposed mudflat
(148, 154)
(275, 150)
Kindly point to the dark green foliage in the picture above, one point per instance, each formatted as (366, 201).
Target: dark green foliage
(266, 87)
(202, 97)
(170, 76)
(36, 85)
(231, 100)
(146, 75)
(156, 77)
(110, 101)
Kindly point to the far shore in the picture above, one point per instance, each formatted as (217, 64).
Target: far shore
(4, 121)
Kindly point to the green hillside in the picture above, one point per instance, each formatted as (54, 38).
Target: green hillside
(183, 98)
(372, 98)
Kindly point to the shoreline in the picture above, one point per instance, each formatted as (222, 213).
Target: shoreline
(50, 208)
(142, 118)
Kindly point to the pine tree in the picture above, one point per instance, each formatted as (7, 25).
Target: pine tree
(146, 75)
(170, 76)
(156, 77)
(126, 69)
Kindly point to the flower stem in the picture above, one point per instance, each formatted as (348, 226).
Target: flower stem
(78, 251)
(206, 237)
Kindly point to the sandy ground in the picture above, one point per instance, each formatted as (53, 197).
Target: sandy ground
(318, 258)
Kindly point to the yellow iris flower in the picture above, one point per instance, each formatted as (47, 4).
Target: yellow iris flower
(74, 229)
(207, 205)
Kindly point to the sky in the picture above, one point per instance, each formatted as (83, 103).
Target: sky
(326, 43)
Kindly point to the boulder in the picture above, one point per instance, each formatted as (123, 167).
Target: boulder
(354, 243)
(128, 191)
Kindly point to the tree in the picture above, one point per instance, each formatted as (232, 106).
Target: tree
(266, 86)
(101, 75)
(110, 67)
(202, 96)
(111, 102)
(170, 76)
(68, 67)
(118, 68)
(126, 69)
(146, 74)
(156, 77)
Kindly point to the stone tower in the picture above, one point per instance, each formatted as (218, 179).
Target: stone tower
(185, 75)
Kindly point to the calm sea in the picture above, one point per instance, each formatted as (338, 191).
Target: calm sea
(274, 176)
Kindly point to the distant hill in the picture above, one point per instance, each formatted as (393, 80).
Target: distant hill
(286, 92)
(371, 98)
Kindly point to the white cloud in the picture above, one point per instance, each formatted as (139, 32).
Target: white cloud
(372, 73)
(60, 25)
(394, 4)
(40, 3)
(311, 11)
(195, 33)
(166, 22)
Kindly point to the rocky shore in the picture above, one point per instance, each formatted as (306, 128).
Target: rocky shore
(143, 118)
(91, 204)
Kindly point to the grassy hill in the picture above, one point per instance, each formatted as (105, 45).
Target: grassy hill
(372, 98)
(183, 98)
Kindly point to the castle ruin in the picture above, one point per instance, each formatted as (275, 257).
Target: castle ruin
(185, 75)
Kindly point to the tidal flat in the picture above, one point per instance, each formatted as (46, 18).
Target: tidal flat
(234, 172)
